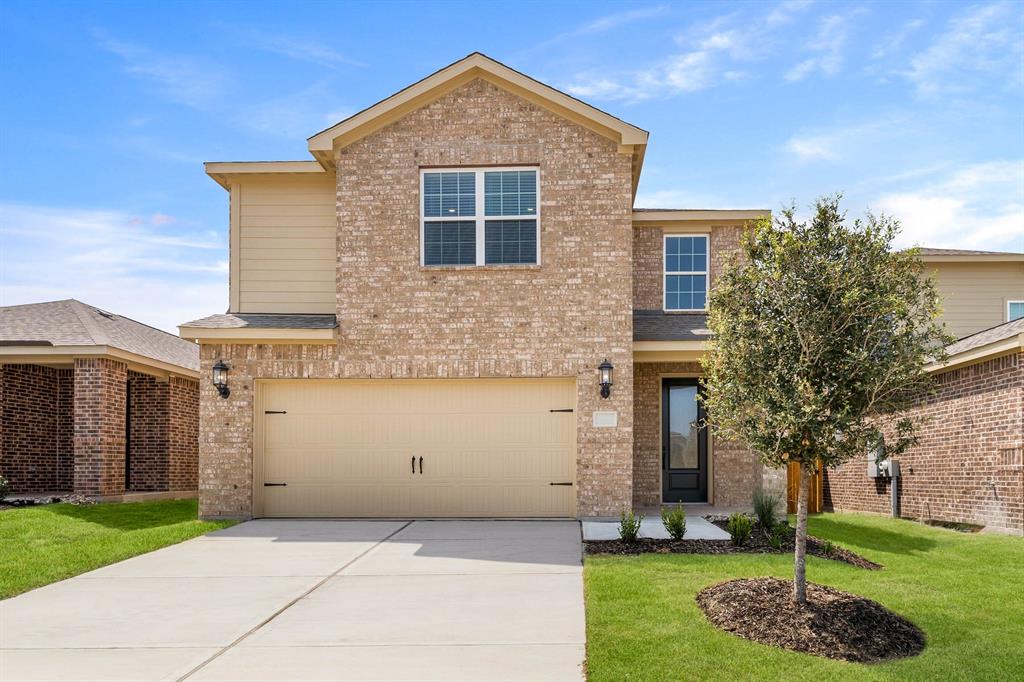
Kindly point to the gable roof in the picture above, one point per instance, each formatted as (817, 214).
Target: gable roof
(75, 324)
(632, 139)
(939, 255)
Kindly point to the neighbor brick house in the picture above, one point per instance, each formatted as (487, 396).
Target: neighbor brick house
(418, 318)
(95, 403)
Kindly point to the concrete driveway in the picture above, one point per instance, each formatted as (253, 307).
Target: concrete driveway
(315, 601)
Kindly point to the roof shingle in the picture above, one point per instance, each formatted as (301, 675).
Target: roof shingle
(655, 325)
(265, 321)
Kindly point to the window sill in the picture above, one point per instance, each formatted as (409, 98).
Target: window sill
(476, 268)
(694, 311)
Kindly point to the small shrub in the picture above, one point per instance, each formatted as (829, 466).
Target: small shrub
(674, 521)
(739, 527)
(766, 505)
(5, 487)
(777, 536)
(629, 525)
(828, 547)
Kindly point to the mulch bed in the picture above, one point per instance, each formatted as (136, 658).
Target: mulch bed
(832, 623)
(758, 544)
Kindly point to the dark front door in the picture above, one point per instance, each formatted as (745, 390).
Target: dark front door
(684, 447)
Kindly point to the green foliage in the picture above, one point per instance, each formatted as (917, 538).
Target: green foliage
(674, 521)
(5, 487)
(739, 527)
(766, 505)
(777, 535)
(828, 547)
(821, 331)
(629, 525)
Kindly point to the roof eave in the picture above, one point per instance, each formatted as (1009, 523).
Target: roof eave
(223, 172)
(973, 356)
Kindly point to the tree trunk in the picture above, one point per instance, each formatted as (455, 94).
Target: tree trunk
(800, 552)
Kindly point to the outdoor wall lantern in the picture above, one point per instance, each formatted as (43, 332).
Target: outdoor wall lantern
(220, 378)
(605, 368)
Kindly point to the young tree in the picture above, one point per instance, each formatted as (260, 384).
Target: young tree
(821, 330)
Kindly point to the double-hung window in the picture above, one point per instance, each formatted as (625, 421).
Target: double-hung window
(1014, 310)
(486, 216)
(686, 272)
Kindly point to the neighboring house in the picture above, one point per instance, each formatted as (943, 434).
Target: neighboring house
(418, 318)
(95, 403)
(980, 289)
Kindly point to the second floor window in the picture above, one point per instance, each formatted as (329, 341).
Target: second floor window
(1014, 310)
(460, 229)
(686, 272)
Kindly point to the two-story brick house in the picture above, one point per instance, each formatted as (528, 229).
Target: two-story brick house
(417, 318)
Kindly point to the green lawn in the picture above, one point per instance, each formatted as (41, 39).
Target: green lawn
(40, 545)
(965, 591)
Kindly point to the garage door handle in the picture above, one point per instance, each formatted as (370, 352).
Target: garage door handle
(275, 412)
(274, 485)
(421, 465)
(565, 483)
(414, 464)
(567, 409)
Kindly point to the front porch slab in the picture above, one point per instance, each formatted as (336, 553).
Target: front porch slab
(697, 528)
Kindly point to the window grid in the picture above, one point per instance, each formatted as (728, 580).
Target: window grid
(685, 272)
(506, 230)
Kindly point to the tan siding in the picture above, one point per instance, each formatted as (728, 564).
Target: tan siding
(975, 294)
(287, 244)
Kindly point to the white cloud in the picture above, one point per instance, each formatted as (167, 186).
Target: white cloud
(295, 115)
(892, 42)
(184, 79)
(828, 47)
(842, 142)
(982, 45)
(980, 206)
(156, 268)
(301, 48)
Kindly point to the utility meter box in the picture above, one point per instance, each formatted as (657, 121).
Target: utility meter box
(878, 465)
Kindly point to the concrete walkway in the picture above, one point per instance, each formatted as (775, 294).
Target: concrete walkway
(316, 601)
(697, 528)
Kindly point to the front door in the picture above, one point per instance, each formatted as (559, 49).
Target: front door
(684, 447)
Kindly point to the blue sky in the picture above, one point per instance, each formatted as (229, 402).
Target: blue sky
(914, 109)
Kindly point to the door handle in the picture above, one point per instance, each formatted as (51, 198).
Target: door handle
(421, 465)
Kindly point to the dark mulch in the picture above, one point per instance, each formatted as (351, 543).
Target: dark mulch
(832, 624)
(758, 544)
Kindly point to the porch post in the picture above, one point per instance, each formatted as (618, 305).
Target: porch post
(99, 397)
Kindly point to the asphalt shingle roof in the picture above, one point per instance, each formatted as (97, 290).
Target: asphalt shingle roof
(1006, 330)
(655, 325)
(73, 323)
(926, 251)
(265, 321)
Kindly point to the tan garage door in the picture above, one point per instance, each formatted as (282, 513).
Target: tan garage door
(423, 448)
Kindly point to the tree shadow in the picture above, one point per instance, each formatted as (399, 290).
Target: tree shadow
(869, 537)
(130, 515)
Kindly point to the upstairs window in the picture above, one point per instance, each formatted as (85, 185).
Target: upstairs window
(459, 229)
(1014, 310)
(686, 272)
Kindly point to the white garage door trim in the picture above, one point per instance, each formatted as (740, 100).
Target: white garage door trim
(551, 502)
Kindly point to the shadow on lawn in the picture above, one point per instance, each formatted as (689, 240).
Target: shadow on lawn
(837, 530)
(130, 515)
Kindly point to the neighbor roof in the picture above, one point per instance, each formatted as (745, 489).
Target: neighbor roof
(931, 254)
(73, 323)
(1003, 339)
(1001, 332)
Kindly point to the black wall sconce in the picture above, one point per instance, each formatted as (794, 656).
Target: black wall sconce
(220, 378)
(605, 368)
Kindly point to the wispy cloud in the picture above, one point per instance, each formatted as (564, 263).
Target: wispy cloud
(982, 45)
(596, 26)
(837, 143)
(893, 41)
(975, 206)
(295, 115)
(301, 48)
(828, 47)
(154, 268)
(184, 79)
(710, 53)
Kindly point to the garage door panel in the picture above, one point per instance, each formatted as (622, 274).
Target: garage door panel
(489, 447)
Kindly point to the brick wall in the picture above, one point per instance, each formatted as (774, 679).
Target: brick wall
(398, 319)
(648, 259)
(99, 426)
(736, 471)
(35, 451)
(148, 406)
(182, 433)
(968, 465)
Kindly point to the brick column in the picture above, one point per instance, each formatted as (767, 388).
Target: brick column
(182, 433)
(99, 426)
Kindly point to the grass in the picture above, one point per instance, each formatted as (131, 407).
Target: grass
(40, 545)
(963, 590)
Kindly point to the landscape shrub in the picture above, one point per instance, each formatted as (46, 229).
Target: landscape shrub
(739, 527)
(5, 487)
(674, 520)
(629, 525)
(766, 505)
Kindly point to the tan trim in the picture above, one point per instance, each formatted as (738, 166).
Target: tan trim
(224, 171)
(696, 346)
(235, 247)
(668, 356)
(65, 356)
(974, 258)
(701, 214)
(447, 79)
(990, 351)
(253, 335)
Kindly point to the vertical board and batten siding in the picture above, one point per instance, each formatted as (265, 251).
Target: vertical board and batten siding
(287, 237)
(974, 295)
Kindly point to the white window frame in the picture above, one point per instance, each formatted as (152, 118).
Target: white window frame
(665, 272)
(479, 216)
(1010, 302)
